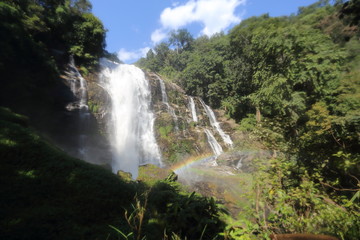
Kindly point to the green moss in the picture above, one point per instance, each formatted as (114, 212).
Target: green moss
(93, 106)
(165, 131)
(178, 149)
(84, 71)
(151, 174)
(193, 124)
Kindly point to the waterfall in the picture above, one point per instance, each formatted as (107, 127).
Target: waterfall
(215, 124)
(166, 102)
(215, 146)
(239, 164)
(193, 109)
(78, 87)
(132, 123)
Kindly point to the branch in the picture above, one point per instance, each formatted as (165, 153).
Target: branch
(337, 140)
(339, 189)
(328, 200)
(355, 178)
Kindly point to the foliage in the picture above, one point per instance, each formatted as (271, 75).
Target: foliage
(285, 204)
(47, 194)
(186, 215)
(66, 26)
(181, 39)
(350, 11)
(300, 76)
(248, 123)
(87, 39)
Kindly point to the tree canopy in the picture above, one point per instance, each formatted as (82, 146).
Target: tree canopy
(293, 82)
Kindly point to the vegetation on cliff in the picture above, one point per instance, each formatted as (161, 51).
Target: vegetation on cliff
(293, 83)
(290, 82)
(45, 194)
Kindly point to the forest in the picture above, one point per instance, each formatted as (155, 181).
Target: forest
(292, 83)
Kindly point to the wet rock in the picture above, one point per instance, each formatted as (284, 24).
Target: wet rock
(125, 175)
(150, 173)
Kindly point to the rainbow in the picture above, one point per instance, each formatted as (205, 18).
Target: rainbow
(191, 161)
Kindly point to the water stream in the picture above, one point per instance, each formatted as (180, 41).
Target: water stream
(166, 102)
(215, 146)
(193, 109)
(215, 124)
(78, 87)
(132, 124)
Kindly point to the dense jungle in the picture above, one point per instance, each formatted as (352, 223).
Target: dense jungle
(285, 89)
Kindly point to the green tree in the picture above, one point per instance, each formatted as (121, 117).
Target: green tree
(350, 11)
(88, 38)
(205, 72)
(82, 6)
(181, 39)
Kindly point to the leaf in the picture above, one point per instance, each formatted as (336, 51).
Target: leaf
(121, 233)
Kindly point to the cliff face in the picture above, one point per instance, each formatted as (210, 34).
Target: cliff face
(79, 131)
(78, 120)
(178, 135)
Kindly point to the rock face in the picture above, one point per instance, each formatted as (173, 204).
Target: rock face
(177, 134)
(182, 123)
(83, 137)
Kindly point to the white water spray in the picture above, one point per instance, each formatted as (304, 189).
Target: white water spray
(215, 124)
(239, 164)
(78, 87)
(215, 146)
(193, 109)
(166, 102)
(132, 127)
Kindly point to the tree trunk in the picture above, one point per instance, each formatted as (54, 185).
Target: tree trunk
(258, 115)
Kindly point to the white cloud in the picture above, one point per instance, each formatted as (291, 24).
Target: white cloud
(158, 35)
(179, 16)
(215, 15)
(128, 56)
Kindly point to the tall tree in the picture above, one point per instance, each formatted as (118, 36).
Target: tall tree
(181, 39)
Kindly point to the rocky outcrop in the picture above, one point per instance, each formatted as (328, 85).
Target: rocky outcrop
(179, 137)
(99, 102)
(78, 131)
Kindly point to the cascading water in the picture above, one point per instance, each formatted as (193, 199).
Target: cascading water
(214, 123)
(166, 102)
(239, 164)
(78, 87)
(132, 123)
(215, 146)
(193, 109)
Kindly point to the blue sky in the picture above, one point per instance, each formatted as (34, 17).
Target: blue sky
(135, 26)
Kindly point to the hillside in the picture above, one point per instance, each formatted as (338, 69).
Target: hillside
(292, 83)
(48, 195)
(266, 118)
